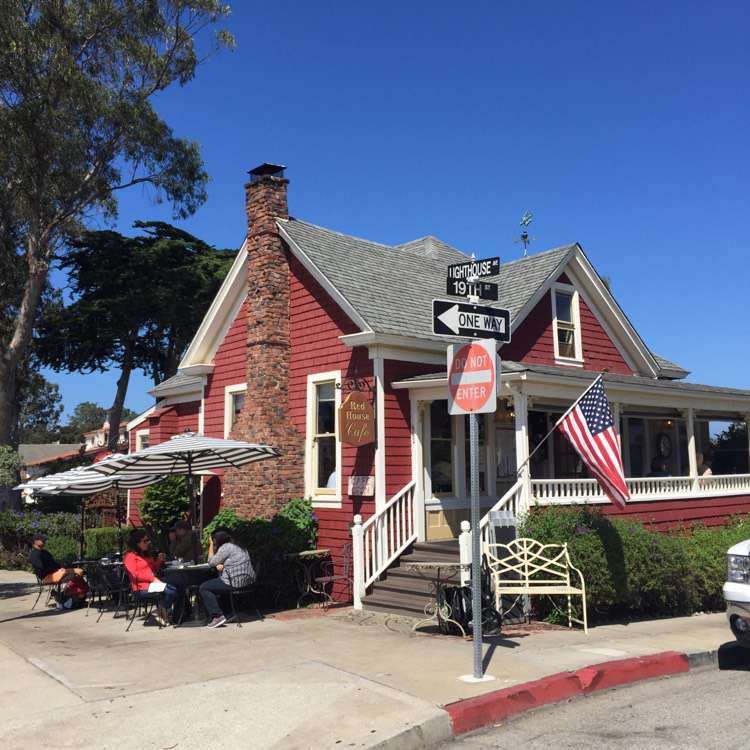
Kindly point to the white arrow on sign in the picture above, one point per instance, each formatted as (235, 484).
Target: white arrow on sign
(456, 319)
(450, 318)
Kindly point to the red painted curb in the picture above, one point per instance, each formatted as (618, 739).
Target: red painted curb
(473, 713)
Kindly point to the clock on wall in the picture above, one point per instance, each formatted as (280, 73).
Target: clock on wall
(663, 445)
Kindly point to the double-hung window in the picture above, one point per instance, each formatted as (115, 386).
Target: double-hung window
(323, 469)
(234, 400)
(566, 324)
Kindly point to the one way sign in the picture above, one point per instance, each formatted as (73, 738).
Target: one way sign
(475, 321)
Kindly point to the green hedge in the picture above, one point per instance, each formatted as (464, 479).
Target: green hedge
(64, 549)
(632, 570)
(102, 541)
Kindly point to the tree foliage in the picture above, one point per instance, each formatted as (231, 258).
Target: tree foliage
(77, 124)
(39, 409)
(136, 304)
(164, 503)
(10, 463)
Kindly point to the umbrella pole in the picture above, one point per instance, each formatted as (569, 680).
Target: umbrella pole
(83, 527)
(118, 506)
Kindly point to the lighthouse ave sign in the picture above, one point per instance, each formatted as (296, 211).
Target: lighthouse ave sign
(473, 375)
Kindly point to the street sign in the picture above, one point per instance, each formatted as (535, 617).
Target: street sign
(472, 377)
(482, 289)
(474, 321)
(479, 269)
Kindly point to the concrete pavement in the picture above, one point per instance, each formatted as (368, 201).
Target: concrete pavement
(313, 680)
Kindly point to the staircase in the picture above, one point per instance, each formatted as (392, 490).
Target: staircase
(404, 592)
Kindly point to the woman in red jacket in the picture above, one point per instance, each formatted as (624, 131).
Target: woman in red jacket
(142, 570)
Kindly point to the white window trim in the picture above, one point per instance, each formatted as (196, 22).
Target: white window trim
(229, 391)
(139, 437)
(576, 361)
(332, 499)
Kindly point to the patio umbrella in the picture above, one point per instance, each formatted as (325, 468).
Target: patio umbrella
(187, 454)
(82, 481)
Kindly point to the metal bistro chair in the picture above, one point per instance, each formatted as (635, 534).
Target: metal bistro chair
(242, 584)
(114, 585)
(50, 588)
(343, 562)
(141, 601)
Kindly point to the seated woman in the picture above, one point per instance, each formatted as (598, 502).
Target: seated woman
(142, 569)
(235, 569)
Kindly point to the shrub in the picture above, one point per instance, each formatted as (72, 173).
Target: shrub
(292, 529)
(64, 549)
(10, 464)
(17, 527)
(164, 503)
(102, 541)
(631, 569)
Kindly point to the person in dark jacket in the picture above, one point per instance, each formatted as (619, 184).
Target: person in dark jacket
(47, 569)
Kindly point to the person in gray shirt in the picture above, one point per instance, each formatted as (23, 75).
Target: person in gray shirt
(232, 562)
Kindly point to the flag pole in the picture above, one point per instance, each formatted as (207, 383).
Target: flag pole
(570, 409)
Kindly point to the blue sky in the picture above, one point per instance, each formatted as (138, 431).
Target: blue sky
(623, 128)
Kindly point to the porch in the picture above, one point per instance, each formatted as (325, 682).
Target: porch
(685, 447)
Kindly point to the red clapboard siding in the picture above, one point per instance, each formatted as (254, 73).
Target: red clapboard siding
(533, 342)
(229, 369)
(316, 324)
(398, 424)
(668, 514)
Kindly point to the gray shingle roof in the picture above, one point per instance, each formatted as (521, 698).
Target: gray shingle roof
(181, 381)
(388, 285)
(40, 452)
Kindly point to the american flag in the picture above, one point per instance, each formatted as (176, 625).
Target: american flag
(589, 426)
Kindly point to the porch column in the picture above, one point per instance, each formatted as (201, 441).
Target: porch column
(521, 408)
(689, 415)
(417, 464)
(378, 366)
(747, 428)
(616, 413)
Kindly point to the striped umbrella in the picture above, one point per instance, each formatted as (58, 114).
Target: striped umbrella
(82, 481)
(187, 454)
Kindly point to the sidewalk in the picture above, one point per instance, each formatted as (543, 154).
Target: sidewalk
(296, 680)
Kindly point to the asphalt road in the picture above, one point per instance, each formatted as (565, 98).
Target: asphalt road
(706, 708)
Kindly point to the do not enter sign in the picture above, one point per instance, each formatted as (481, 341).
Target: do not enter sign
(473, 374)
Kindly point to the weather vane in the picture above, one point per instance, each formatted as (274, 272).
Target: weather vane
(525, 239)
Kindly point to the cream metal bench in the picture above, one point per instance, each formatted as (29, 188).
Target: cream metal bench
(528, 567)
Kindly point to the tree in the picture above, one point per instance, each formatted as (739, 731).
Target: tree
(10, 464)
(76, 125)
(85, 417)
(40, 407)
(136, 303)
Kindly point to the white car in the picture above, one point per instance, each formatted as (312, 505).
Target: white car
(737, 591)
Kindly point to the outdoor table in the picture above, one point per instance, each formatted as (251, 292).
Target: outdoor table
(191, 576)
(439, 573)
(307, 563)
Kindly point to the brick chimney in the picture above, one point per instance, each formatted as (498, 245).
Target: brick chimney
(262, 489)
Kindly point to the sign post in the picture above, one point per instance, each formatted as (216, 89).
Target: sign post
(473, 373)
(473, 380)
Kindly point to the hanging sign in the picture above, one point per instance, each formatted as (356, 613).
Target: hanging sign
(473, 373)
(356, 420)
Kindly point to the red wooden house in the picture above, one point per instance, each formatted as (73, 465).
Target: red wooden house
(307, 313)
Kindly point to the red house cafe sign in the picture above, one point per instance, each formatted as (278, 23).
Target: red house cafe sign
(356, 420)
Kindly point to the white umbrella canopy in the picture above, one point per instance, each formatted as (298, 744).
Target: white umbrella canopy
(187, 454)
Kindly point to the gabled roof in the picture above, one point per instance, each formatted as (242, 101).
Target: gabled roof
(386, 290)
(390, 286)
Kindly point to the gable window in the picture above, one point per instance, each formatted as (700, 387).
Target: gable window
(141, 439)
(234, 400)
(566, 324)
(323, 455)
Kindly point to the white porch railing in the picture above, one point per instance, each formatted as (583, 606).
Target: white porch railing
(379, 541)
(510, 501)
(642, 489)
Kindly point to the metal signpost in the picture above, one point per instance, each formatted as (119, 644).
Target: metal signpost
(473, 381)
